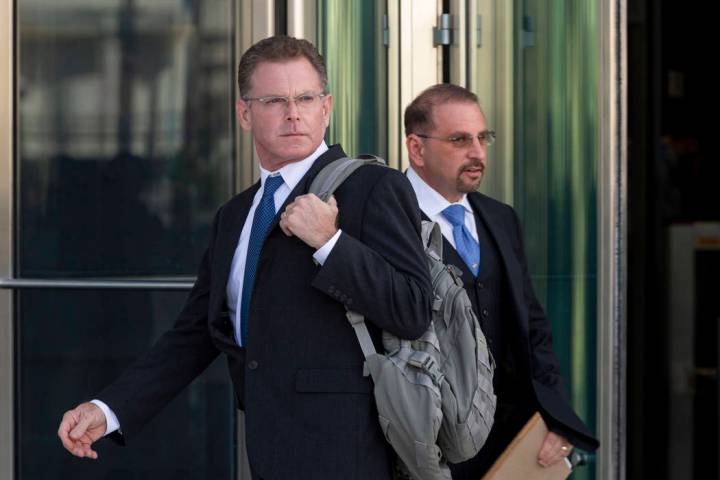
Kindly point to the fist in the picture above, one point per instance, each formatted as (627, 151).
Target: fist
(310, 219)
(80, 427)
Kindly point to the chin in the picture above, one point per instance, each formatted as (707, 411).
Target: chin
(469, 187)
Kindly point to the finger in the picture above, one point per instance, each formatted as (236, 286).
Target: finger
(549, 449)
(557, 454)
(89, 452)
(332, 202)
(546, 451)
(67, 423)
(285, 228)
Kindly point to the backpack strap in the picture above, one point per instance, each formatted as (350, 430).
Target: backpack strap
(335, 173)
(323, 185)
(432, 239)
(361, 332)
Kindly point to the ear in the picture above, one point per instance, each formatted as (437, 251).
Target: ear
(327, 104)
(416, 150)
(244, 115)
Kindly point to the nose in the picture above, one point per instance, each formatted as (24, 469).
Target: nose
(293, 112)
(478, 149)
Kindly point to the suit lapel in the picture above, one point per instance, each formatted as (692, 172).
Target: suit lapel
(450, 256)
(231, 225)
(512, 266)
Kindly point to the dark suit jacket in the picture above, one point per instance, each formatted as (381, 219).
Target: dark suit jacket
(535, 362)
(309, 410)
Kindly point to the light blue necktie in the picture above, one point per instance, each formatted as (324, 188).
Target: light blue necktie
(264, 214)
(465, 244)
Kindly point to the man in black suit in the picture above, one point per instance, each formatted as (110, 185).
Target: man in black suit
(272, 289)
(447, 138)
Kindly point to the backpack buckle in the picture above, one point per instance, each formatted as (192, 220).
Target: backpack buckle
(428, 364)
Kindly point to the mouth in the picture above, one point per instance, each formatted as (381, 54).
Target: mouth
(474, 171)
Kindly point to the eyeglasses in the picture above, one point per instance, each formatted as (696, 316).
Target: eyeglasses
(280, 103)
(486, 137)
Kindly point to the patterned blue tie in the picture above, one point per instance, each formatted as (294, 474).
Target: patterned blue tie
(264, 214)
(465, 244)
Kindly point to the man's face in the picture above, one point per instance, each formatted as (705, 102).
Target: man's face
(449, 169)
(290, 133)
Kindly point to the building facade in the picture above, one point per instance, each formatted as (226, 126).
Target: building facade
(118, 142)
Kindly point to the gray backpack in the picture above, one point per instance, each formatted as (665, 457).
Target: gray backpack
(434, 395)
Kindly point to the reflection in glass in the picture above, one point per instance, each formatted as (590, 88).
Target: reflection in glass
(125, 134)
(357, 73)
(73, 343)
(555, 184)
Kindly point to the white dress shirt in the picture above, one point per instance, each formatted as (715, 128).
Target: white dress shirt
(291, 173)
(432, 204)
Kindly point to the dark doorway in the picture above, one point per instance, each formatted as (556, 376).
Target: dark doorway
(673, 241)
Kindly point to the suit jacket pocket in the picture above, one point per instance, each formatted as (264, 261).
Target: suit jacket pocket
(332, 380)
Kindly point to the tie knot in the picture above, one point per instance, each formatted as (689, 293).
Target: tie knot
(272, 184)
(455, 214)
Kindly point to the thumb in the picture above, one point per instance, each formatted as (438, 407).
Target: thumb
(82, 426)
(332, 202)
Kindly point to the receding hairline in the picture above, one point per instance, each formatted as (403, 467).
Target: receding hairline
(421, 111)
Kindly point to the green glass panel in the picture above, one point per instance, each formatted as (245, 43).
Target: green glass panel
(124, 134)
(357, 73)
(556, 135)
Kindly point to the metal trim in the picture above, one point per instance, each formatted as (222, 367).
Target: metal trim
(255, 20)
(612, 239)
(420, 63)
(28, 283)
(395, 144)
(7, 337)
(459, 38)
(301, 17)
(491, 76)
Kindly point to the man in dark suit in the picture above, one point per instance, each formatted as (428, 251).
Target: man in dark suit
(446, 138)
(272, 287)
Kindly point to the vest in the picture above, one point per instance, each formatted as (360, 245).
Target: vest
(489, 295)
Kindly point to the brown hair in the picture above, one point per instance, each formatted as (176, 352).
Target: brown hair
(276, 49)
(418, 115)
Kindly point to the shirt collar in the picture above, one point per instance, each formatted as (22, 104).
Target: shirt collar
(430, 201)
(293, 172)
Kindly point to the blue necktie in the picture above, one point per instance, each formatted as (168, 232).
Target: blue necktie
(264, 214)
(465, 244)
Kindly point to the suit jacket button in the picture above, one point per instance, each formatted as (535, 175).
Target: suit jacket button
(481, 285)
(252, 364)
(485, 312)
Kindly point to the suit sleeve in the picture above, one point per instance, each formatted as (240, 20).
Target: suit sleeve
(178, 356)
(544, 365)
(383, 272)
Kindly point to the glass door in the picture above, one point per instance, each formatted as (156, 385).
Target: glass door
(125, 144)
(535, 67)
(356, 57)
